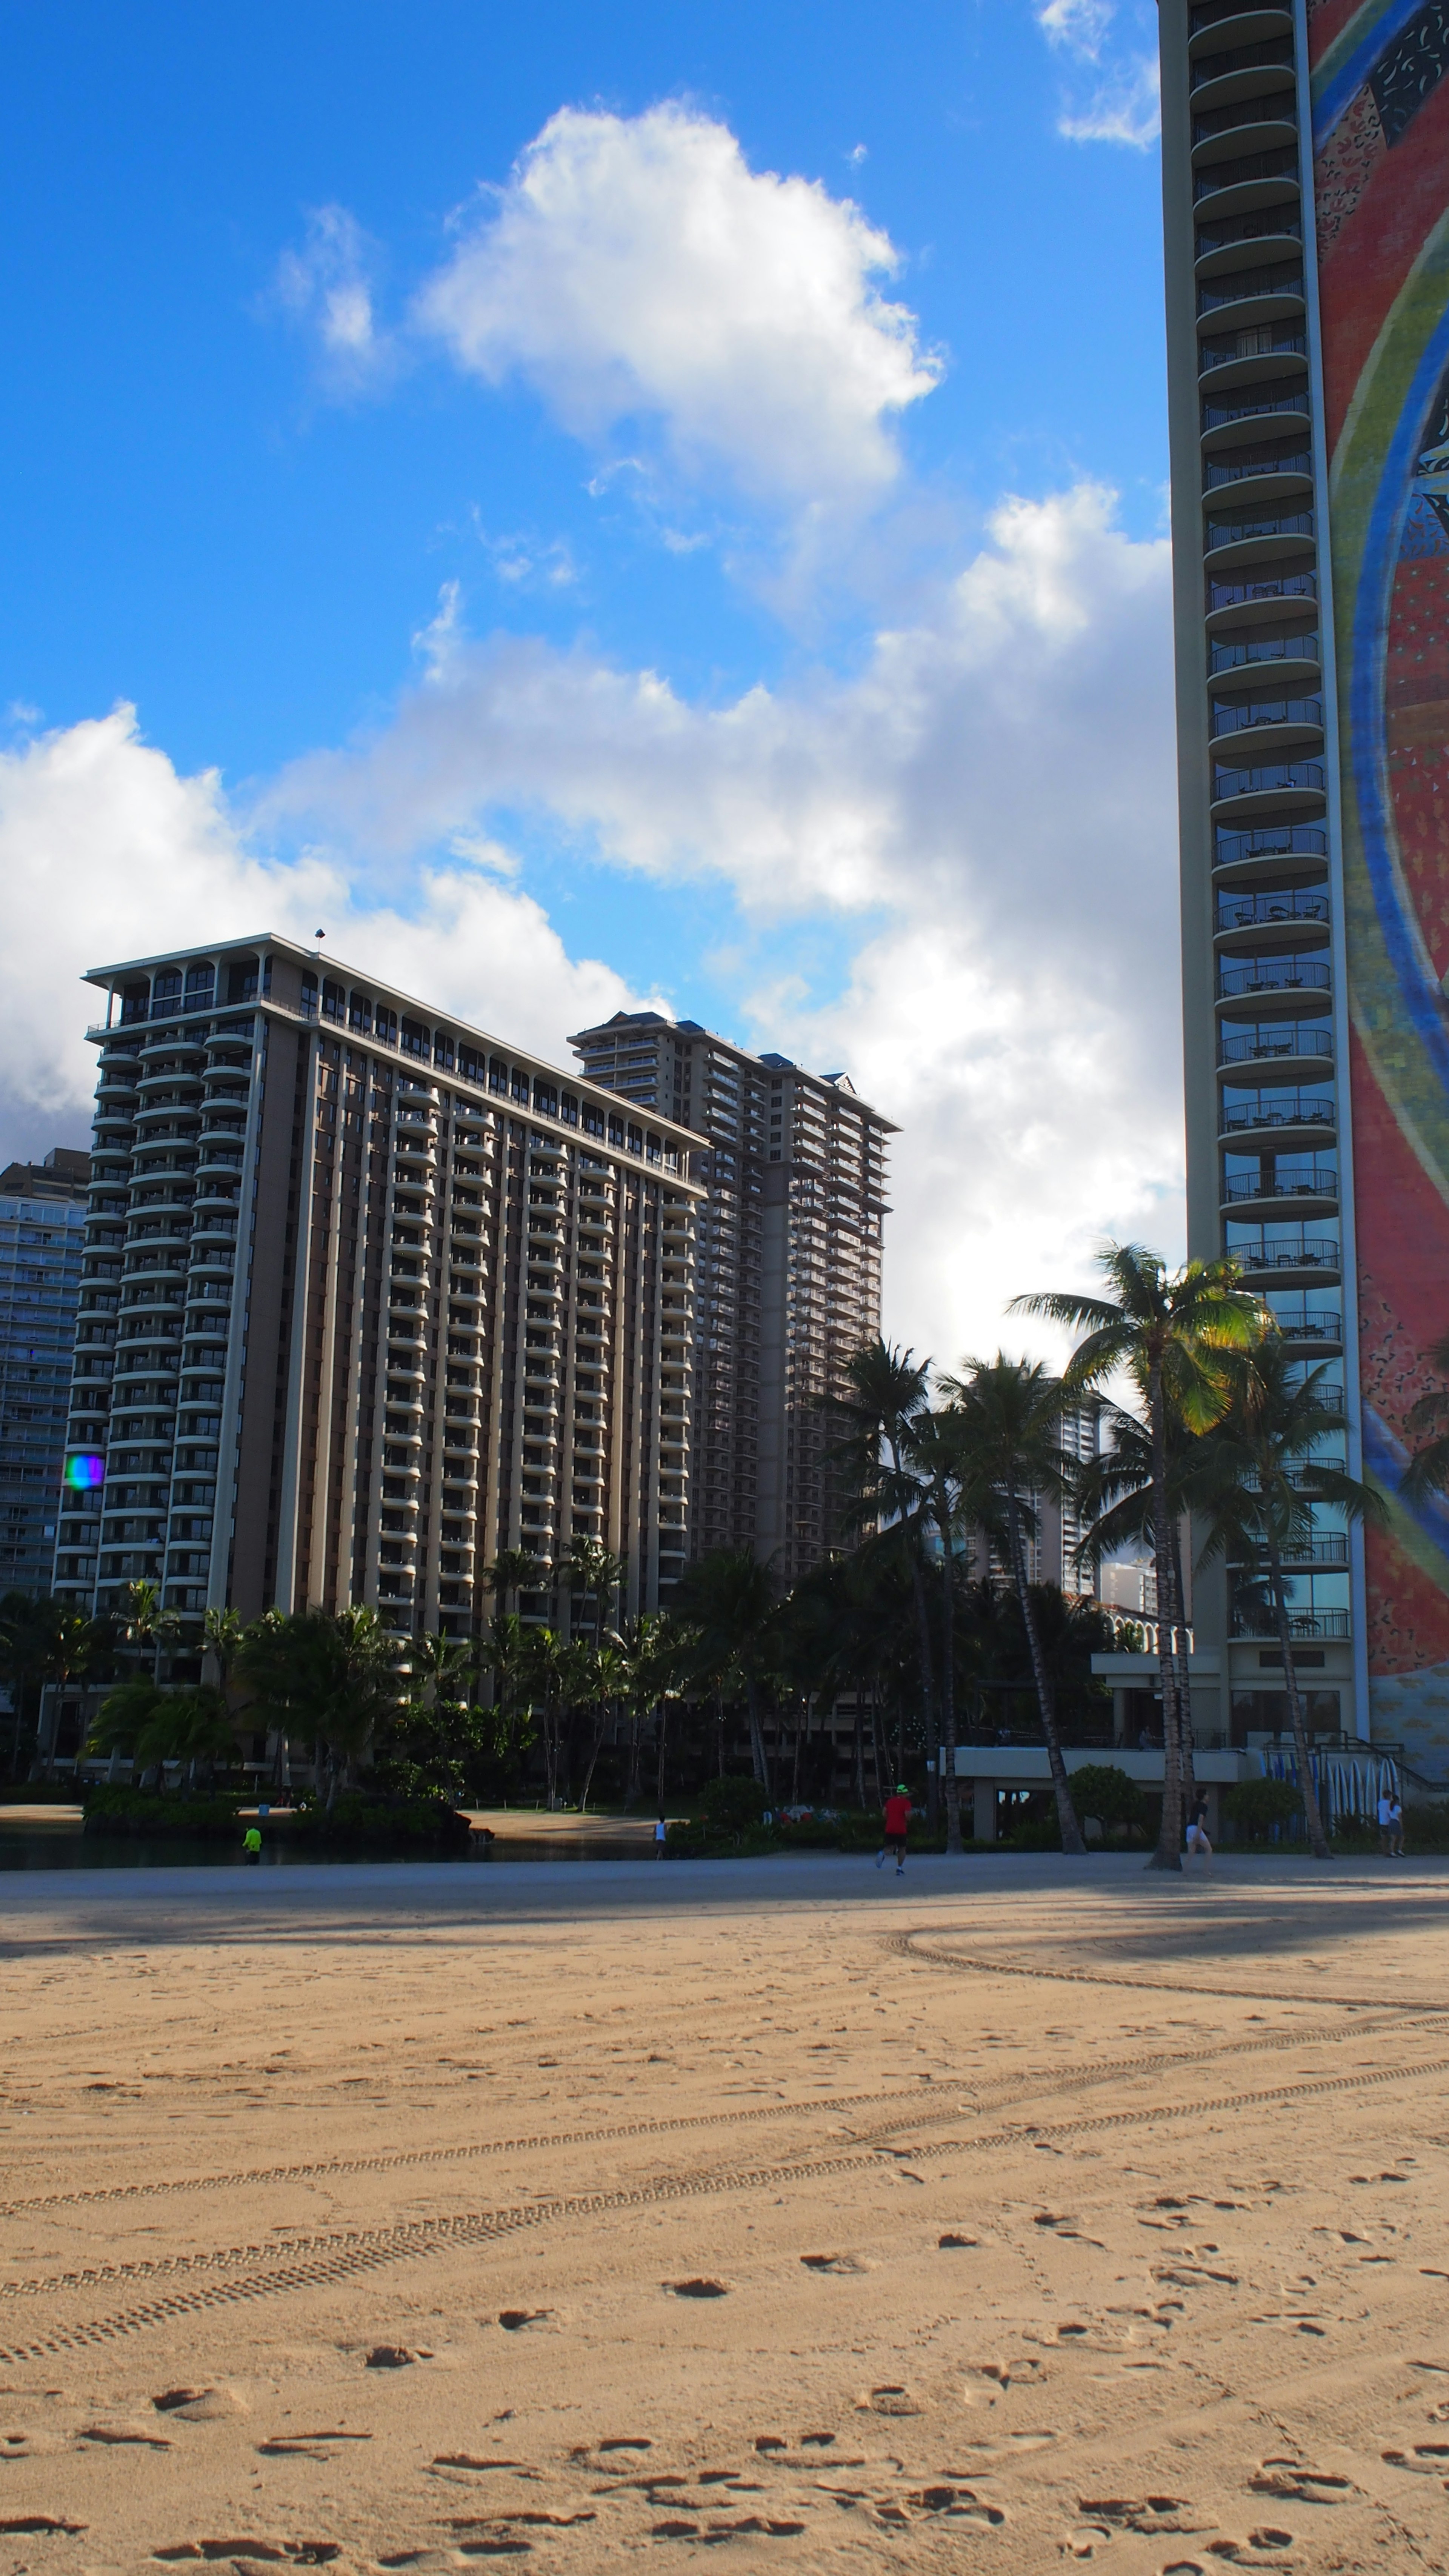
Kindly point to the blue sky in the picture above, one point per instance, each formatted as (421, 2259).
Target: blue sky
(479, 569)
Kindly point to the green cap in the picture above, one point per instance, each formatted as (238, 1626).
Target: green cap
(901, 1790)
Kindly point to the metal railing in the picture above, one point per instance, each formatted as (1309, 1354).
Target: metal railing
(1247, 652)
(1282, 582)
(1245, 716)
(1258, 340)
(1320, 1183)
(1310, 1252)
(1302, 1625)
(1279, 1109)
(1269, 841)
(1274, 975)
(1245, 464)
(1269, 778)
(1276, 54)
(1279, 163)
(1244, 911)
(1245, 525)
(1315, 1324)
(1265, 223)
(1241, 285)
(1269, 107)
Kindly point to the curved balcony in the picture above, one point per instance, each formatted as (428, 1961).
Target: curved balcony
(1274, 786)
(1241, 1190)
(1274, 1111)
(1253, 852)
(1258, 532)
(1270, 910)
(1279, 1258)
(1213, 22)
(1317, 1324)
(1262, 471)
(1279, 975)
(1292, 659)
(1220, 242)
(1215, 69)
(1251, 298)
(1247, 179)
(1263, 118)
(1253, 354)
(1280, 721)
(1255, 597)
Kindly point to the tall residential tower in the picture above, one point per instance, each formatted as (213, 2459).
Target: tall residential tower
(42, 1239)
(1306, 197)
(368, 1296)
(789, 1270)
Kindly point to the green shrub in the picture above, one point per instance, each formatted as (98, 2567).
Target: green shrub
(140, 1813)
(357, 1822)
(1254, 1807)
(731, 1804)
(1111, 1797)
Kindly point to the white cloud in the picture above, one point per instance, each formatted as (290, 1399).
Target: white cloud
(1079, 26)
(1125, 108)
(982, 818)
(101, 839)
(988, 810)
(327, 286)
(636, 270)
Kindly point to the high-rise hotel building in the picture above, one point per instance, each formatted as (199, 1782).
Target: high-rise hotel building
(789, 1271)
(1306, 194)
(368, 1296)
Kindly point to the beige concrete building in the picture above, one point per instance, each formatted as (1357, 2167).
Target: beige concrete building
(789, 1270)
(368, 1295)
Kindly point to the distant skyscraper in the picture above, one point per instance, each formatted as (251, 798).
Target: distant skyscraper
(42, 1241)
(789, 1271)
(1306, 196)
(369, 1296)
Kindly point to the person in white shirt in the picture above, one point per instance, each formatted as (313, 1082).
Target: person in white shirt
(1386, 1824)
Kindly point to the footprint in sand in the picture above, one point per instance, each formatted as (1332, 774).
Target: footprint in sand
(123, 2433)
(956, 2244)
(890, 2399)
(394, 2356)
(517, 2320)
(201, 2405)
(701, 2289)
(1429, 2458)
(37, 2523)
(839, 2263)
(1293, 2479)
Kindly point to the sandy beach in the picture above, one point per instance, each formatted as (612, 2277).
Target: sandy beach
(1016, 2215)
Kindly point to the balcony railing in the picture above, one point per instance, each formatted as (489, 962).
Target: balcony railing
(1246, 464)
(1245, 911)
(1315, 1325)
(1274, 975)
(1278, 1109)
(1277, 53)
(1245, 715)
(1301, 1252)
(1240, 285)
(1255, 402)
(1245, 652)
(1320, 1183)
(1265, 223)
(1245, 526)
(1284, 581)
(1270, 841)
(1258, 340)
(1270, 777)
(1280, 163)
(1302, 1624)
(1270, 107)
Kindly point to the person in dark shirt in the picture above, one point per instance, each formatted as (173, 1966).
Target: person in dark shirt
(897, 1826)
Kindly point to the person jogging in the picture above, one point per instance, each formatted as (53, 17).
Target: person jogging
(661, 1836)
(897, 1826)
(1197, 1833)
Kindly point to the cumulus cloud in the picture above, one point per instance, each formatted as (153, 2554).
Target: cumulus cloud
(986, 809)
(326, 285)
(1120, 101)
(636, 270)
(984, 812)
(101, 838)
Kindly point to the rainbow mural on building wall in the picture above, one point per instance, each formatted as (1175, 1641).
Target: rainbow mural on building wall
(1381, 174)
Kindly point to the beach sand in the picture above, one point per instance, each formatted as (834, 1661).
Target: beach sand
(1020, 2214)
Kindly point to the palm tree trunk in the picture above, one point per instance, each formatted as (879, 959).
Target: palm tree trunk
(659, 1782)
(1312, 1814)
(1180, 1667)
(757, 1736)
(801, 1729)
(1168, 1853)
(948, 1687)
(858, 1746)
(1066, 1813)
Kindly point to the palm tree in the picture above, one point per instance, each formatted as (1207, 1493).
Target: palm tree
(1008, 1415)
(729, 1598)
(1114, 1497)
(1260, 1478)
(1168, 1332)
(144, 1621)
(331, 1674)
(41, 1640)
(932, 1456)
(515, 1570)
(592, 1569)
(889, 1390)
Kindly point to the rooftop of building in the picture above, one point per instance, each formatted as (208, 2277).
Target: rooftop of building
(64, 1174)
(319, 962)
(770, 1062)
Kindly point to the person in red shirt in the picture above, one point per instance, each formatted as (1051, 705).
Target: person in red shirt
(897, 1826)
